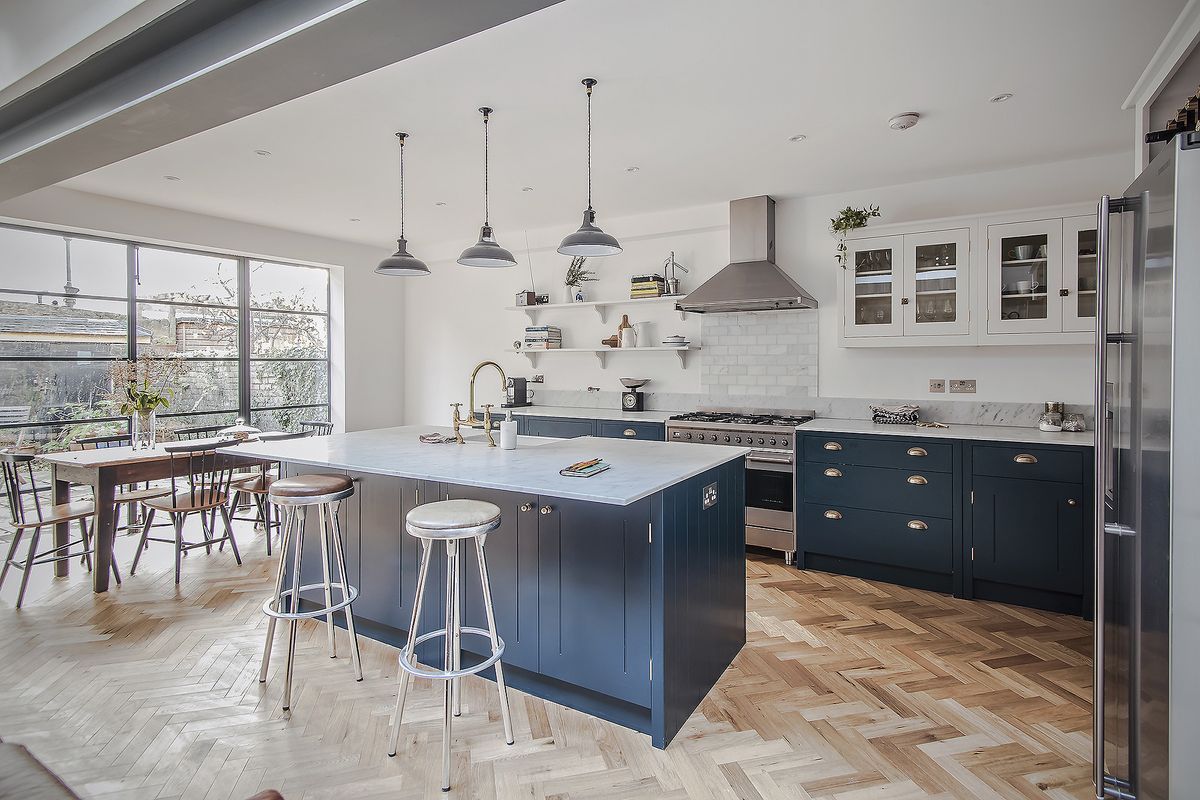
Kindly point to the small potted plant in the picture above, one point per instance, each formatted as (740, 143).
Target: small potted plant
(146, 385)
(849, 219)
(576, 276)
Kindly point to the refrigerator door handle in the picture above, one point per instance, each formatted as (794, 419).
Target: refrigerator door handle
(1100, 460)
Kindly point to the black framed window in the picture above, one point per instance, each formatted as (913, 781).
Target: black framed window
(253, 334)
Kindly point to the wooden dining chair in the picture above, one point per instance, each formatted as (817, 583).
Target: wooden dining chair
(198, 432)
(18, 484)
(316, 428)
(257, 485)
(200, 478)
(129, 495)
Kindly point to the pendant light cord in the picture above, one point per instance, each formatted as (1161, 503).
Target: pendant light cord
(589, 145)
(486, 213)
(401, 137)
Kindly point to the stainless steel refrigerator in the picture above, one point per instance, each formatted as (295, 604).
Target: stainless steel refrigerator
(1147, 545)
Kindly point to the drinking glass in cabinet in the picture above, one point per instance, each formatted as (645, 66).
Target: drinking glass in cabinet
(1023, 290)
(873, 287)
(937, 282)
(1085, 289)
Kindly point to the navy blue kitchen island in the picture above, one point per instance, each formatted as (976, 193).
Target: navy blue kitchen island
(623, 598)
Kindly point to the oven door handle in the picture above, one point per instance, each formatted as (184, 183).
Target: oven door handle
(783, 464)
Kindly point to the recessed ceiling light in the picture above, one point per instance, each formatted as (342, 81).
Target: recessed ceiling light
(263, 153)
(440, 203)
(633, 169)
(1000, 98)
(799, 137)
(172, 178)
(355, 219)
(526, 188)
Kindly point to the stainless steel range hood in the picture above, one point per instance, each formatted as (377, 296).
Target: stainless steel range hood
(752, 281)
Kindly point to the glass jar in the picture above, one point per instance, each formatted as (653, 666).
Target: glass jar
(1052, 418)
(1073, 422)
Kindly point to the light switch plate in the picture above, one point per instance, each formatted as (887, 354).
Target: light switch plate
(709, 496)
(937, 384)
(962, 386)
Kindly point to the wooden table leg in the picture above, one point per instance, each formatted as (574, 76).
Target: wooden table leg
(104, 532)
(62, 533)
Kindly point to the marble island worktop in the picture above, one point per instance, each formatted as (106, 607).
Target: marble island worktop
(639, 468)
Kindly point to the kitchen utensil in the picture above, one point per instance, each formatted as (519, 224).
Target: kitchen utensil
(1022, 252)
(634, 383)
(633, 400)
(644, 338)
(517, 394)
(1024, 287)
(1041, 251)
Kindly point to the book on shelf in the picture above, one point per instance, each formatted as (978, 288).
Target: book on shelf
(542, 329)
(543, 345)
(647, 279)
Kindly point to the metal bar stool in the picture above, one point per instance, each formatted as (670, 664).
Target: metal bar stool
(292, 496)
(451, 521)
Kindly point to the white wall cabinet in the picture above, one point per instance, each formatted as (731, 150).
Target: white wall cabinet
(1018, 278)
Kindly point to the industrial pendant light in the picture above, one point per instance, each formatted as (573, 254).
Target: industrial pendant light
(486, 252)
(589, 240)
(400, 262)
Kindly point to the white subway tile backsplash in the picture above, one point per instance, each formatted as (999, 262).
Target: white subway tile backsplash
(759, 354)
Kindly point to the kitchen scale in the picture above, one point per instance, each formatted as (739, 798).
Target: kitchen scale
(633, 400)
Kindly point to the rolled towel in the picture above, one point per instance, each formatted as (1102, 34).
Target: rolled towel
(905, 414)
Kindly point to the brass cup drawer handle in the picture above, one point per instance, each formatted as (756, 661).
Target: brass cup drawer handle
(918, 480)
(918, 451)
(831, 514)
(918, 525)
(832, 446)
(833, 472)
(1025, 458)
(547, 509)
(630, 432)
(527, 506)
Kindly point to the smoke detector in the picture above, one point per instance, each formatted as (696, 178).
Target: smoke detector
(902, 122)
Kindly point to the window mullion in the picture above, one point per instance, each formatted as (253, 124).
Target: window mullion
(131, 266)
(243, 283)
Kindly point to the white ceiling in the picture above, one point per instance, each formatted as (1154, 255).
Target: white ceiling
(702, 95)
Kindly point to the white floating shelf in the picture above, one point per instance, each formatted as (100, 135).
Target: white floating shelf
(601, 353)
(599, 306)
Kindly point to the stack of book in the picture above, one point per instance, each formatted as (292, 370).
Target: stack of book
(543, 337)
(647, 286)
(585, 469)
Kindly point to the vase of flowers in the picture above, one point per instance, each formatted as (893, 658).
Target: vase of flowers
(576, 276)
(146, 385)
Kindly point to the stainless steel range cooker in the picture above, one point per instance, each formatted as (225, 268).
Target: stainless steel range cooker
(770, 467)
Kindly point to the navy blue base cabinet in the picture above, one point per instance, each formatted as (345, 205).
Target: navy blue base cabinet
(976, 519)
(570, 427)
(630, 613)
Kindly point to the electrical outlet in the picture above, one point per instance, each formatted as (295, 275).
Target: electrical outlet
(537, 379)
(962, 386)
(937, 384)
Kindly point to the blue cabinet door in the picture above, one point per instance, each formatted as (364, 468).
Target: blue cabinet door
(1028, 533)
(595, 596)
(558, 427)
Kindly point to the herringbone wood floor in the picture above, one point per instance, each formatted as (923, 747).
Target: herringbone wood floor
(846, 689)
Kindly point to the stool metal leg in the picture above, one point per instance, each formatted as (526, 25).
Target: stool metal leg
(285, 537)
(410, 651)
(339, 551)
(330, 644)
(457, 630)
(448, 659)
(491, 621)
(293, 607)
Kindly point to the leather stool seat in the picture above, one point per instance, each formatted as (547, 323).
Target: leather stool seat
(301, 486)
(452, 519)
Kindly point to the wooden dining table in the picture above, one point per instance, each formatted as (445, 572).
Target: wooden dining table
(104, 469)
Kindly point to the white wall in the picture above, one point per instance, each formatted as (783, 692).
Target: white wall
(456, 317)
(368, 360)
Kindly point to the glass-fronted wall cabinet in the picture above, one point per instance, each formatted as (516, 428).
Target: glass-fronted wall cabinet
(873, 285)
(908, 285)
(1024, 277)
(935, 300)
(1079, 273)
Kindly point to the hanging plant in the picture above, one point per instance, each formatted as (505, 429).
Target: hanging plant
(849, 219)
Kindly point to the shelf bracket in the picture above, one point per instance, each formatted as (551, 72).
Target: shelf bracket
(682, 314)
(683, 351)
(600, 355)
(599, 307)
(532, 356)
(531, 312)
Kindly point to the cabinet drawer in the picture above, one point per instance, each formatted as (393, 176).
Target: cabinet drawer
(879, 451)
(559, 427)
(907, 491)
(880, 537)
(614, 429)
(1028, 462)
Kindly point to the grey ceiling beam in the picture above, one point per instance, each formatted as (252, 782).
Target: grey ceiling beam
(208, 62)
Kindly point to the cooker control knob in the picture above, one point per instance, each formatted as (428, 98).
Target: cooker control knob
(713, 437)
(772, 442)
(738, 439)
(727, 438)
(689, 436)
(760, 441)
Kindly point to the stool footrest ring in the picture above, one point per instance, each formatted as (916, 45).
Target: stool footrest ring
(351, 593)
(447, 674)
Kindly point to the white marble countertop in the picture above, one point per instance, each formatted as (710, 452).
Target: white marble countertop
(990, 433)
(639, 468)
(572, 412)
